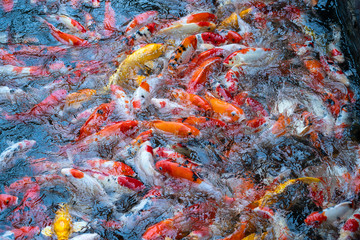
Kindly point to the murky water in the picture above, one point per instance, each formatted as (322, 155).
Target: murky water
(294, 125)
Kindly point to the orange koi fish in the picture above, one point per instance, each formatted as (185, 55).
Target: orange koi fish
(175, 128)
(77, 98)
(188, 99)
(224, 110)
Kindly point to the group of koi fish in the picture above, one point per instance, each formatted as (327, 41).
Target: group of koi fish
(231, 125)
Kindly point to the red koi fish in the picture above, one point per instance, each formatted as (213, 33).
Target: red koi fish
(7, 201)
(26, 232)
(45, 108)
(351, 228)
(111, 167)
(109, 19)
(96, 120)
(140, 21)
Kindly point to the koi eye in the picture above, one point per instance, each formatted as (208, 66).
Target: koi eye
(233, 114)
(12, 90)
(189, 133)
(160, 168)
(142, 96)
(330, 101)
(7, 201)
(100, 111)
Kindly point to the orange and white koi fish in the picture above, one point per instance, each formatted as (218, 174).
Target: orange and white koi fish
(144, 165)
(10, 154)
(96, 120)
(70, 23)
(109, 19)
(110, 167)
(143, 34)
(248, 56)
(198, 17)
(351, 229)
(189, 99)
(143, 94)
(201, 75)
(225, 111)
(64, 38)
(122, 107)
(140, 21)
(341, 211)
(174, 128)
(32, 71)
(303, 49)
(45, 108)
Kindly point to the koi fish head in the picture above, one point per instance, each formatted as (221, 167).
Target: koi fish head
(315, 219)
(72, 173)
(230, 60)
(7, 201)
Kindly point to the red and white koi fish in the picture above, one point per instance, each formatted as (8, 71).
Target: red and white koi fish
(232, 79)
(90, 187)
(140, 21)
(163, 152)
(109, 19)
(70, 23)
(201, 75)
(44, 108)
(122, 107)
(170, 108)
(26, 232)
(64, 38)
(96, 120)
(248, 56)
(7, 201)
(303, 49)
(32, 71)
(9, 155)
(143, 94)
(83, 116)
(256, 107)
(351, 229)
(144, 165)
(143, 34)
(219, 90)
(330, 215)
(335, 53)
(110, 167)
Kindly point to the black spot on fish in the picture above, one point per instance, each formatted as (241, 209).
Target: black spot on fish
(183, 47)
(100, 111)
(195, 177)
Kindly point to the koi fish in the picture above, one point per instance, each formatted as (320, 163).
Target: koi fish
(225, 111)
(144, 165)
(201, 74)
(203, 122)
(109, 19)
(32, 71)
(26, 232)
(9, 155)
(174, 128)
(140, 21)
(64, 38)
(7, 201)
(136, 59)
(189, 99)
(247, 56)
(232, 79)
(334, 71)
(76, 99)
(12, 95)
(170, 108)
(177, 29)
(110, 167)
(69, 22)
(142, 34)
(96, 119)
(351, 228)
(44, 108)
(335, 53)
(330, 215)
